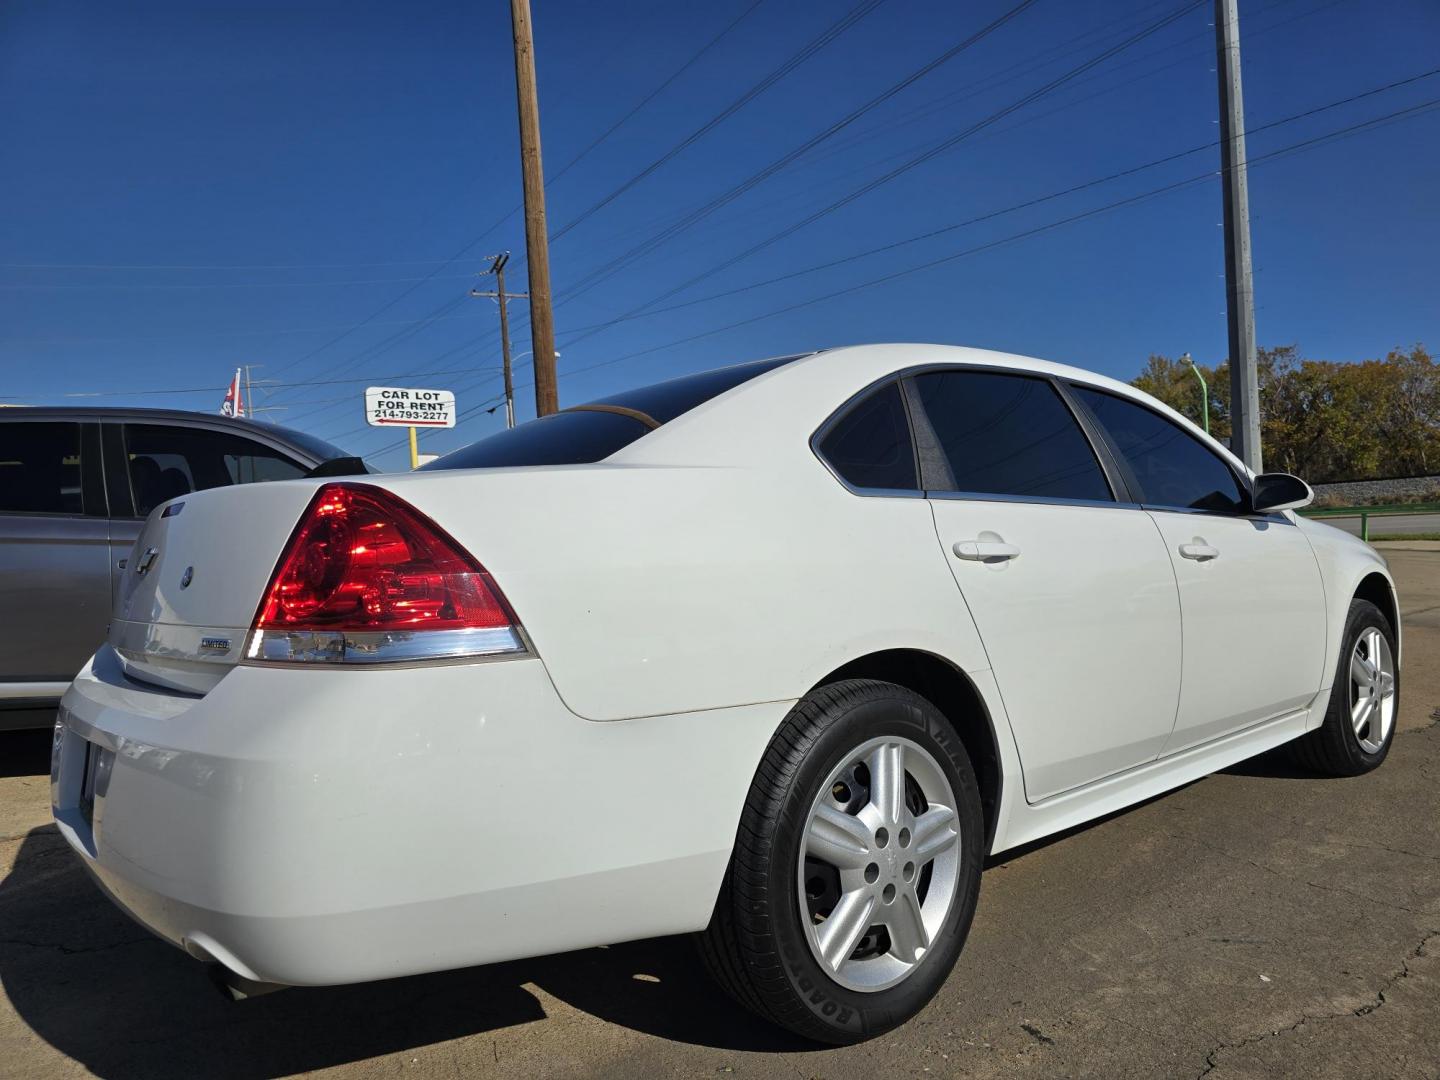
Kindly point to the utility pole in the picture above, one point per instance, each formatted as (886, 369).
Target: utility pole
(537, 249)
(1239, 285)
(249, 398)
(498, 269)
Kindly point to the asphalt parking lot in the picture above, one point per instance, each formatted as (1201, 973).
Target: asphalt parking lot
(1259, 923)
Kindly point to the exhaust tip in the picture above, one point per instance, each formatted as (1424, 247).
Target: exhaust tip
(236, 987)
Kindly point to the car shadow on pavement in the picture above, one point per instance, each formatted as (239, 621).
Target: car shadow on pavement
(103, 991)
(1277, 764)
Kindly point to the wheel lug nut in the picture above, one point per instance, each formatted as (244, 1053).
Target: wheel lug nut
(909, 872)
(882, 837)
(888, 894)
(871, 873)
(904, 837)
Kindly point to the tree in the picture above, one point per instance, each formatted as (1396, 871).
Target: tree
(1323, 419)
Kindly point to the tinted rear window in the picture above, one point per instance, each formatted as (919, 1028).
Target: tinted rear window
(40, 469)
(870, 445)
(577, 438)
(316, 447)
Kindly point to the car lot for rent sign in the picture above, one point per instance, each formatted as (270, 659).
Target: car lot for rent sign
(394, 406)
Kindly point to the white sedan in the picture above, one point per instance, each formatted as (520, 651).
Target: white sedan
(776, 653)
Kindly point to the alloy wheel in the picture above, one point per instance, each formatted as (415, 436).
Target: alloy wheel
(879, 863)
(1372, 690)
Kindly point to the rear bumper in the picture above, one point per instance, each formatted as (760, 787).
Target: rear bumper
(320, 826)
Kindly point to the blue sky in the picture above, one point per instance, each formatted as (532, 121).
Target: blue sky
(193, 186)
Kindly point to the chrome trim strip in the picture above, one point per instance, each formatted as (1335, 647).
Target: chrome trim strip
(1161, 508)
(383, 647)
(1044, 500)
(142, 641)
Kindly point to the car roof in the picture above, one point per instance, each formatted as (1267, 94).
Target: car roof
(300, 442)
(803, 394)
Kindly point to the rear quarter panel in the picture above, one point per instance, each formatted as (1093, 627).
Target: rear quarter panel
(650, 589)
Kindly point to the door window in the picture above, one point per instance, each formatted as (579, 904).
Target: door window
(40, 469)
(869, 446)
(1171, 466)
(1007, 434)
(165, 462)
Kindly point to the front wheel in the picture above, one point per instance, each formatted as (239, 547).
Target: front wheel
(1364, 701)
(856, 868)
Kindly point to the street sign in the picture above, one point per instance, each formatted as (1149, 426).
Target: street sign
(393, 406)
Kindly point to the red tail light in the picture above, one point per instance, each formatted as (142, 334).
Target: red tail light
(366, 577)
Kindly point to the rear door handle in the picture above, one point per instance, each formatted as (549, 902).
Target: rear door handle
(1199, 552)
(984, 550)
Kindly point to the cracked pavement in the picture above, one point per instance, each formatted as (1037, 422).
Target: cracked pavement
(1258, 923)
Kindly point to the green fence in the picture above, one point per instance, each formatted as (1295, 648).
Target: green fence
(1365, 513)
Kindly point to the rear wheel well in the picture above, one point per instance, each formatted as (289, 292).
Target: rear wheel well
(950, 691)
(1377, 590)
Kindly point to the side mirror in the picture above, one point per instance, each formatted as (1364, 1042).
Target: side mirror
(1279, 491)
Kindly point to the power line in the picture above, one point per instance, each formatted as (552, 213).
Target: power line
(145, 286)
(263, 384)
(1273, 155)
(795, 60)
(686, 66)
(973, 89)
(933, 152)
(678, 225)
(757, 178)
(1073, 189)
(1046, 59)
(919, 159)
(586, 331)
(929, 153)
(1129, 200)
(932, 233)
(215, 266)
(814, 47)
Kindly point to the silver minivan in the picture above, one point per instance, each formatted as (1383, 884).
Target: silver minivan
(75, 487)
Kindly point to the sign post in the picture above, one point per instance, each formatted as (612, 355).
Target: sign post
(394, 406)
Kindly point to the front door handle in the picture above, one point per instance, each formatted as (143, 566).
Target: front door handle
(984, 550)
(1199, 551)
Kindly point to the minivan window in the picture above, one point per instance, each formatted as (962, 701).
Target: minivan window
(166, 461)
(1008, 434)
(1171, 466)
(579, 437)
(40, 468)
(869, 445)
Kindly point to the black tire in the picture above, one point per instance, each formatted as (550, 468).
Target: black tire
(755, 945)
(1334, 749)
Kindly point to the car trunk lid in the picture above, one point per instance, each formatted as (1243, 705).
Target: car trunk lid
(190, 587)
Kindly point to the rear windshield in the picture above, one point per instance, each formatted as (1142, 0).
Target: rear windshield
(577, 438)
(317, 448)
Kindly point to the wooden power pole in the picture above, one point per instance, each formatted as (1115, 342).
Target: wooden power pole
(1239, 285)
(500, 296)
(537, 250)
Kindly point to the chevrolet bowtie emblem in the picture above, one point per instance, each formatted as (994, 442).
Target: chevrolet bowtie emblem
(144, 562)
